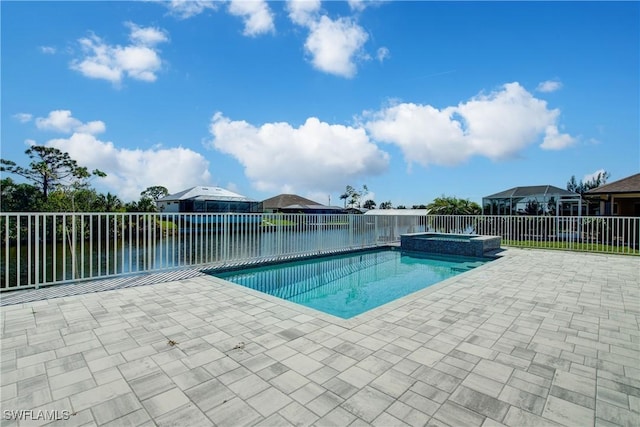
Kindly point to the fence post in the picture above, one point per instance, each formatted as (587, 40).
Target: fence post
(29, 240)
(74, 256)
(351, 219)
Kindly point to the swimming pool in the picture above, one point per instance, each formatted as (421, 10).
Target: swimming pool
(350, 284)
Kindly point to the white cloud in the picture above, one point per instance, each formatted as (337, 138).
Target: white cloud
(553, 140)
(319, 157)
(497, 126)
(131, 171)
(505, 121)
(303, 12)
(357, 5)
(23, 117)
(360, 5)
(316, 156)
(424, 133)
(382, 54)
(139, 60)
(187, 8)
(549, 86)
(49, 50)
(95, 127)
(146, 36)
(62, 121)
(335, 45)
(256, 15)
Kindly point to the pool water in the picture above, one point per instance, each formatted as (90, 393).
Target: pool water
(351, 284)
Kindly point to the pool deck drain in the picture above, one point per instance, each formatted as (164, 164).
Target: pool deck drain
(535, 338)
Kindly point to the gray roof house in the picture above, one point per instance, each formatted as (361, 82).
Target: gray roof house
(520, 200)
(292, 203)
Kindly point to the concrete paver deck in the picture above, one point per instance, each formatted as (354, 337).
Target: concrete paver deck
(534, 338)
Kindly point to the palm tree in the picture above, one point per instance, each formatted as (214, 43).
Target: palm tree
(453, 206)
(353, 196)
(344, 197)
(348, 192)
(108, 203)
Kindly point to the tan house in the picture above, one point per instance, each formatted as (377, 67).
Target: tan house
(292, 203)
(620, 198)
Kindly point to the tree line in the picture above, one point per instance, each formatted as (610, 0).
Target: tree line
(443, 205)
(57, 183)
(584, 186)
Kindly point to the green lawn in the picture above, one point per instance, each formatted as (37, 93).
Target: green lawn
(167, 227)
(283, 222)
(572, 246)
(277, 222)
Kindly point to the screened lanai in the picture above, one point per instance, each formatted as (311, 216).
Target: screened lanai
(207, 200)
(533, 200)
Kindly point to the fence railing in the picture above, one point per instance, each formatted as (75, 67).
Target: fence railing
(41, 249)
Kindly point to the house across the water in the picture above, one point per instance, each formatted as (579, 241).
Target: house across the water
(292, 203)
(203, 199)
(533, 200)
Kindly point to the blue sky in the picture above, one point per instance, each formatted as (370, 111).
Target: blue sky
(413, 99)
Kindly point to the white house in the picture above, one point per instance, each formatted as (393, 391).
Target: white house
(203, 199)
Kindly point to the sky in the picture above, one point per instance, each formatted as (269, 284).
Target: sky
(415, 100)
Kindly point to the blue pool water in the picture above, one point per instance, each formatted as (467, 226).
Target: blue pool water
(348, 285)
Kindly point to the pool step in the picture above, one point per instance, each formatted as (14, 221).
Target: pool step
(467, 267)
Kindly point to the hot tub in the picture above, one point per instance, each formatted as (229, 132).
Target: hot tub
(453, 244)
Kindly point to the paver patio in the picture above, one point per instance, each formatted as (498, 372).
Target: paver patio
(534, 338)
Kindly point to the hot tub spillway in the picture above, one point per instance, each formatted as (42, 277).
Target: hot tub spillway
(451, 244)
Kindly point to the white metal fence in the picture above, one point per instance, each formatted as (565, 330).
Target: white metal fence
(50, 248)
